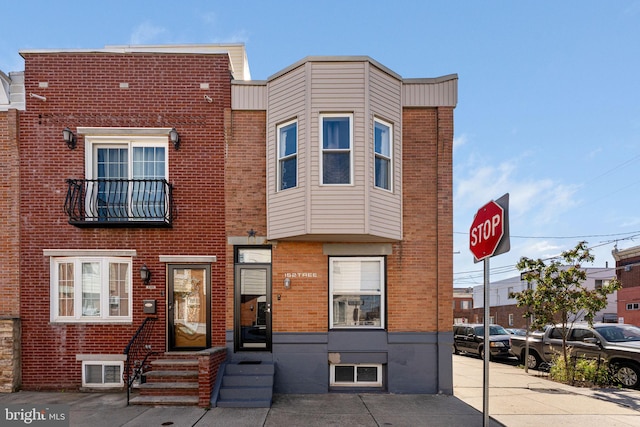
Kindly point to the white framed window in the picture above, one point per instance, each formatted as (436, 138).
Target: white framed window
(510, 319)
(91, 289)
(287, 135)
(633, 306)
(126, 175)
(357, 375)
(336, 134)
(465, 304)
(97, 374)
(383, 147)
(356, 291)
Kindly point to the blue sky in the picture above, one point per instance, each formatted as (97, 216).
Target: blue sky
(549, 92)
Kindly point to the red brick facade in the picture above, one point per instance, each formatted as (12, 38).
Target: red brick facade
(9, 214)
(420, 270)
(628, 273)
(85, 90)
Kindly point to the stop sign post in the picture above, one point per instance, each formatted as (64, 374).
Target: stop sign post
(489, 236)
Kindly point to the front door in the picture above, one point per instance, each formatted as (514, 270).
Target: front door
(188, 313)
(252, 329)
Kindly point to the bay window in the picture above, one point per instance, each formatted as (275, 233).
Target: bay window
(287, 135)
(336, 136)
(383, 137)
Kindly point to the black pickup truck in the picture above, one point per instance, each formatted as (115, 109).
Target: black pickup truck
(469, 338)
(617, 343)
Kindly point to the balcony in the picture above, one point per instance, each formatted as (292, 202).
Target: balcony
(119, 203)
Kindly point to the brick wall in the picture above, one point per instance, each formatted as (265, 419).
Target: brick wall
(423, 301)
(9, 214)
(10, 325)
(627, 272)
(245, 184)
(420, 270)
(84, 90)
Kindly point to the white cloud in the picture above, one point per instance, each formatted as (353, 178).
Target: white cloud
(239, 37)
(542, 199)
(459, 141)
(146, 33)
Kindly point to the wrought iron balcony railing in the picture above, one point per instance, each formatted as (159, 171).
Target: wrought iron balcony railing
(119, 202)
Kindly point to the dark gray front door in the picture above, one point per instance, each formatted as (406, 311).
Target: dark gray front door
(252, 320)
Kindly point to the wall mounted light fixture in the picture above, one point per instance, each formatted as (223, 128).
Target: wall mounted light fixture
(145, 274)
(287, 283)
(69, 138)
(174, 136)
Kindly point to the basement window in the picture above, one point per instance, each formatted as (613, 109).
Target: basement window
(97, 374)
(356, 375)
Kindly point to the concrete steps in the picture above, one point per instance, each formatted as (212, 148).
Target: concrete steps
(247, 385)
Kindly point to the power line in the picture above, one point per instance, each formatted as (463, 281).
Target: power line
(472, 275)
(565, 237)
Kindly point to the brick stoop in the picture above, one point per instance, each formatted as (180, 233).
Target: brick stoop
(247, 385)
(172, 380)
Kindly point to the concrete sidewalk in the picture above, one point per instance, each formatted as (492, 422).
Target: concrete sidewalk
(312, 410)
(516, 399)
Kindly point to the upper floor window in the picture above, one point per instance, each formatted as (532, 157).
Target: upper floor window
(91, 289)
(383, 137)
(129, 178)
(336, 134)
(287, 135)
(356, 287)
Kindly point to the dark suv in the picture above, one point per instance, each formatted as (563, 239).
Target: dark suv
(469, 338)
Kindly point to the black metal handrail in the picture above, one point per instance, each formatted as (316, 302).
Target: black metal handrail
(138, 351)
(119, 202)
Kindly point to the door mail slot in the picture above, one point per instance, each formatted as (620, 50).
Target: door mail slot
(149, 306)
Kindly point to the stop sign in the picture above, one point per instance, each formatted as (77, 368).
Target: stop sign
(487, 229)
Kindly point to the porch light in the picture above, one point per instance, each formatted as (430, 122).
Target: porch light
(287, 283)
(69, 138)
(174, 136)
(145, 274)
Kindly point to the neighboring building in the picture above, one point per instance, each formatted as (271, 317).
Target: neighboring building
(119, 196)
(303, 222)
(462, 305)
(503, 310)
(12, 103)
(628, 273)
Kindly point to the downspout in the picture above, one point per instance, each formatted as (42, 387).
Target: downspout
(438, 248)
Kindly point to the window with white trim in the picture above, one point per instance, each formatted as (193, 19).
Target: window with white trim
(102, 374)
(336, 134)
(383, 142)
(633, 306)
(287, 134)
(129, 171)
(357, 375)
(356, 289)
(91, 289)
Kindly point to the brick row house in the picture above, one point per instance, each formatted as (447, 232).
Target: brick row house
(628, 273)
(297, 228)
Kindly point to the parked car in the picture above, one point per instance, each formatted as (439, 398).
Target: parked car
(469, 338)
(618, 344)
